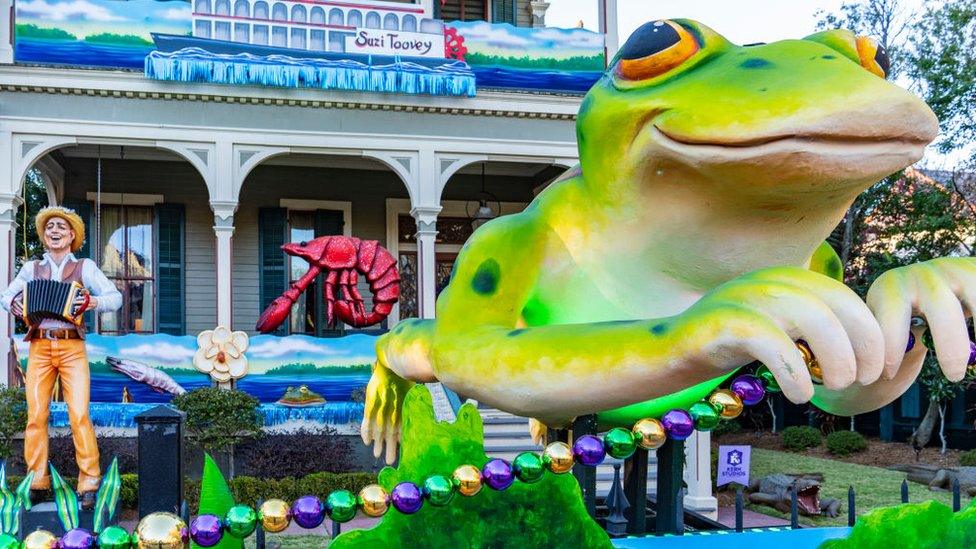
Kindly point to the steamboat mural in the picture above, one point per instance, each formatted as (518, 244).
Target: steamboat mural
(367, 47)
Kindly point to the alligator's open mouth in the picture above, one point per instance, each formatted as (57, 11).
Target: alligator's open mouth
(808, 499)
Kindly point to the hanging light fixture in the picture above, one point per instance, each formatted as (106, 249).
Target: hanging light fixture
(484, 213)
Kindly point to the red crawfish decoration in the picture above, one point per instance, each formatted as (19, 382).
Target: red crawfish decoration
(343, 259)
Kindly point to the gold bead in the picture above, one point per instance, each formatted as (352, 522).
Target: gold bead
(275, 515)
(374, 500)
(40, 539)
(816, 372)
(727, 403)
(162, 530)
(650, 434)
(558, 457)
(467, 478)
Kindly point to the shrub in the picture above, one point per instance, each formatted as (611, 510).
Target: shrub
(845, 443)
(968, 458)
(217, 418)
(726, 427)
(129, 491)
(295, 454)
(13, 417)
(250, 489)
(801, 438)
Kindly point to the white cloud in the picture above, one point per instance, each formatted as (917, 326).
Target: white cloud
(276, 347)
(158, 351)
(176, 14)
(494, 35)
(576, 38)
(63, 11)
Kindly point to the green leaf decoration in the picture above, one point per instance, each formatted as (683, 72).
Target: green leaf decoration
(547, 513)
(8, 504)
(66, 501)
(215, 499)
(107, 499)
(23, 490)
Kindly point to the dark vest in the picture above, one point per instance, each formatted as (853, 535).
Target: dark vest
(71, 273)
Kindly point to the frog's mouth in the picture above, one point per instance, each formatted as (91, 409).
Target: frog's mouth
(798, 157)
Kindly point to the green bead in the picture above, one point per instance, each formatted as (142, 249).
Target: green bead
(439, 490)
(619, 443)
(240, 521)
(768, 379)
(528, 467)
(341, 505)
(10, 542)
(112, 537)
(705, 416)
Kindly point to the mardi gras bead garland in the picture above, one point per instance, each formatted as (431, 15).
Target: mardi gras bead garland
(275, 515)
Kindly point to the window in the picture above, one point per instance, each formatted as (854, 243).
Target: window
(461, 10)
(278, 270)
(128, 259)
(452, 233)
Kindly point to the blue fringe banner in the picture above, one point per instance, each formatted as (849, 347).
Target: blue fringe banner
(453, 78)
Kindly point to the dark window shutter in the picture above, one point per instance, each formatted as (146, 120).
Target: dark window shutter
(503, 11)
(170, 274)
(84, 210)
(272, 228)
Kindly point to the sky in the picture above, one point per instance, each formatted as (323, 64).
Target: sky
(741, 21)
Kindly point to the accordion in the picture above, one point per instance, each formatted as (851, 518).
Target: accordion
(43, 299)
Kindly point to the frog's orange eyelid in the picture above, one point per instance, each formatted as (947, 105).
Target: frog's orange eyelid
(873, 57)
(662, 61)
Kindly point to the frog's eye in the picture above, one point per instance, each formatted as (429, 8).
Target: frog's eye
(873, 56)
(654, 49)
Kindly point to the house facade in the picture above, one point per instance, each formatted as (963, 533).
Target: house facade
(193, 168)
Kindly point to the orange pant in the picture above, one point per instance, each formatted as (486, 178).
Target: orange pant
(47, 361)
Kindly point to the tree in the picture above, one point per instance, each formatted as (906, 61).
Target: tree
(27, 245)
(942, 64)
(885, 20)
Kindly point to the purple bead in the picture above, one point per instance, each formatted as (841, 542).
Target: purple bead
(749, 388)
(588, 450)
(911, 342)
(307, 512)
(406, 498)
(77, 538)
(206, 530)
(972, 353)
(678, 424)
(497, 474)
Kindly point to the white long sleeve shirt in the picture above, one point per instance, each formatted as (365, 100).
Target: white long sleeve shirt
(92, 278)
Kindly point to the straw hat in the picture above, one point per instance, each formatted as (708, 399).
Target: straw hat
(69, 215)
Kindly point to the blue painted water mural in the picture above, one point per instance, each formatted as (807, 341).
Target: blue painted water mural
(196, 65)
(107, 388)
(122, 416)
(78, 53)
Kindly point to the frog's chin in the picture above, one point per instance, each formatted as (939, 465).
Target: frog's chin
(797, 162)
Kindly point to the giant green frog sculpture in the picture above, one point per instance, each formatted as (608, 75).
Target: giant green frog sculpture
(690, 242)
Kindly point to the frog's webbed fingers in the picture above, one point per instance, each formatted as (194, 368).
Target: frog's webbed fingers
(864, 333)
(935, 290)
(382, 413)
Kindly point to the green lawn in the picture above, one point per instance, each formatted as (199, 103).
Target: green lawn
(874, 487)
(290, 542)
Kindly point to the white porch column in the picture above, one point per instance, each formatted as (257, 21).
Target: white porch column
(698, 475)
(6, 40)
(8, 229)
(426, 260)
(224, 231)
(608, 26)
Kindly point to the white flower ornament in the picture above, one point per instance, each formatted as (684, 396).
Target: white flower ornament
(220, 353)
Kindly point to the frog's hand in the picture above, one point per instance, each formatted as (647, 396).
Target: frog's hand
(555, 372)
(943, 291)
(402, 358)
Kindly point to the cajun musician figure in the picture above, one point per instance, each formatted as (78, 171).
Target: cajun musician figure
(57, 345)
